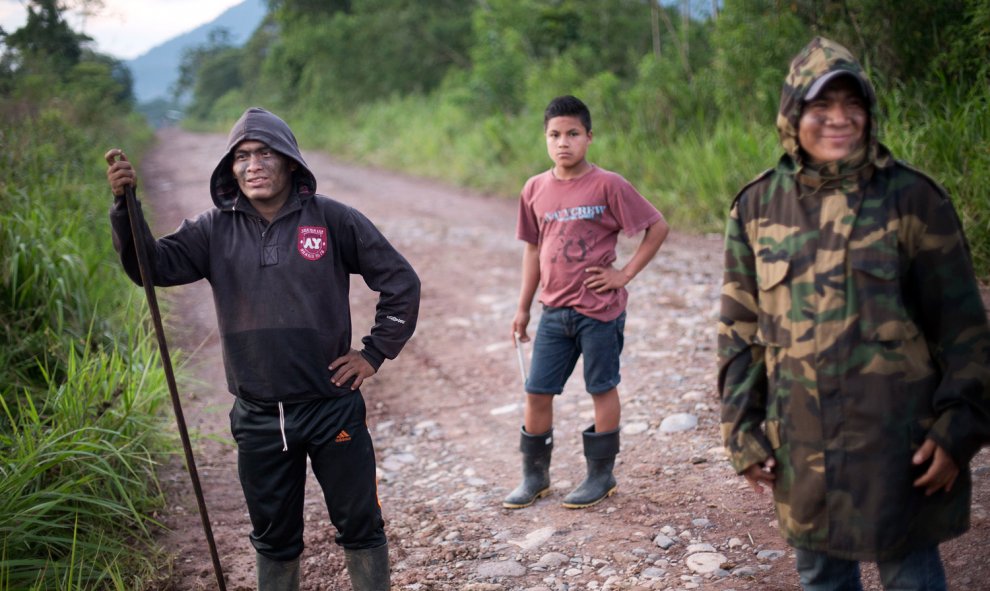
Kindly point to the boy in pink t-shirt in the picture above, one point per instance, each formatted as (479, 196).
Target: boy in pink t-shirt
(570, 217)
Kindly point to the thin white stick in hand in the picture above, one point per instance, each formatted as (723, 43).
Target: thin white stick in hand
(519, 353)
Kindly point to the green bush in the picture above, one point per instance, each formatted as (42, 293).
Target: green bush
(685, 109)
(688, 166)
(950, 143)
(81, 424)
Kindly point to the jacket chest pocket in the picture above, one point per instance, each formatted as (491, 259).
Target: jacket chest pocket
(876, 291)
(774, 322)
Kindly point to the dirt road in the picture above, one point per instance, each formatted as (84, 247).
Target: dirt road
(445, 416)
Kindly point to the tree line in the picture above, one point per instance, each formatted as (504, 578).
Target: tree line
(729, 61)
(694, 82)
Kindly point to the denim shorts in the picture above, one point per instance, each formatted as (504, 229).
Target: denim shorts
(564, 335)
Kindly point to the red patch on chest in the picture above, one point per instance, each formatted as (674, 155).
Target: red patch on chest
(311, 242)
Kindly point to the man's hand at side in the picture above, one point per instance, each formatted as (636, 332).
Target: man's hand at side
(941, 474)
(760, 476)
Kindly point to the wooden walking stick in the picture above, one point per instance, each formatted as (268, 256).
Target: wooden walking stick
(137, 235)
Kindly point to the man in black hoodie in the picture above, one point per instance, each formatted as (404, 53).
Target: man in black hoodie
(279, 258)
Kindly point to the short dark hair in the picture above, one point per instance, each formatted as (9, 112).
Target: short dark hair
(567, 106)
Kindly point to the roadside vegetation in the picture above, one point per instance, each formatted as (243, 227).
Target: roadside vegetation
(81, 413)
(684, 96)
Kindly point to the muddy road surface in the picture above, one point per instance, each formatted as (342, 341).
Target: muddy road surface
(446, 414)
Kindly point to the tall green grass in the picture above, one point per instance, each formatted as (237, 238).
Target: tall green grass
(950, 140)
(81, 423)
(78, 480)
(691, 170)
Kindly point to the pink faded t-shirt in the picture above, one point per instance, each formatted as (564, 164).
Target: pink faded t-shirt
(576, 224)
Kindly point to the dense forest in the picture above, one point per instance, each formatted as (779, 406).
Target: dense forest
(684, 96)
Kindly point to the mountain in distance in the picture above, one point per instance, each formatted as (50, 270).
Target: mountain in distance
(155, 70)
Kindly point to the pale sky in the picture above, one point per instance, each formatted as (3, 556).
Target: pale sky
(127, 28)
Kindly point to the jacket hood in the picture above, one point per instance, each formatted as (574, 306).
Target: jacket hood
(263, 126)
(820, 61)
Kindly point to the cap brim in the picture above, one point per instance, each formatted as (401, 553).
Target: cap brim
(819, 84)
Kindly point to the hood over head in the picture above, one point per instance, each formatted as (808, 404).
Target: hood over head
(257, 124)
(819, 62)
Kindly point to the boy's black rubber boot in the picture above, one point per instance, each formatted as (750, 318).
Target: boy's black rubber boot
(369, 569)
(600, 450)
(277, 575)
(536, 450)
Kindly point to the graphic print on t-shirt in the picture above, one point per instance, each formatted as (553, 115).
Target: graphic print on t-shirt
(573, 241)
(582, 212)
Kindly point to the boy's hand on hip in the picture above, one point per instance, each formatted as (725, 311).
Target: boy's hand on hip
(942, 472)
(351, 365)
(602, 279)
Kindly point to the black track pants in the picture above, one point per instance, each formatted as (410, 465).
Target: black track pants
(333, 434)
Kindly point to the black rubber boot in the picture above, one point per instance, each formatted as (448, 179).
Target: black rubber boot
(369, 569)
(536, 450)
(600, 450)
(277, 575)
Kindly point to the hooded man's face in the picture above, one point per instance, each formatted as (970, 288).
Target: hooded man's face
(264, 175)
(833, 124)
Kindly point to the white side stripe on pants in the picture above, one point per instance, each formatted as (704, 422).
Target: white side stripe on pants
(281, 426)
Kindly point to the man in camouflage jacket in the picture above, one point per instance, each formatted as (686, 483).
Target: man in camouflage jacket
(853, 346)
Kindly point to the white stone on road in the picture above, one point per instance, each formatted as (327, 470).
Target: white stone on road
(535, 539)
(502, 568)
(678, 422)
(705, 562)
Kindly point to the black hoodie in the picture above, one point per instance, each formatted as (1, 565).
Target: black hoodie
(281, 288)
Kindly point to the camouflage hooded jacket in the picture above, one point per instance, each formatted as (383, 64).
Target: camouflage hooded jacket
(851, 329)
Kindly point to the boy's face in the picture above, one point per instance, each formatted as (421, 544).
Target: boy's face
(833, 125)
(567, 141)
(264, 175)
